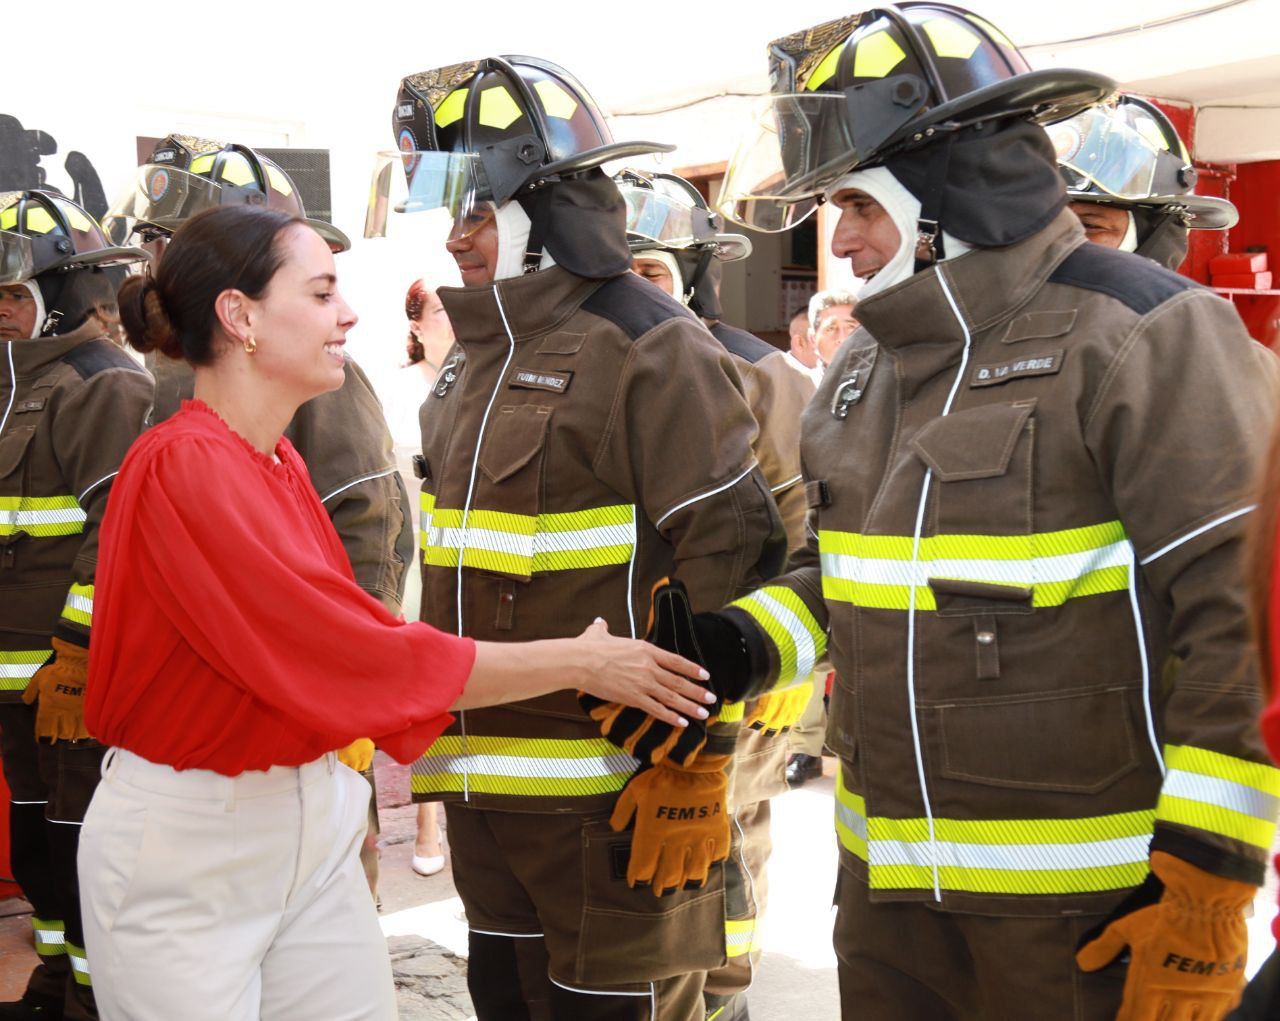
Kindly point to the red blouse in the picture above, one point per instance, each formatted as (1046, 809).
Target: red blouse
(229, 633)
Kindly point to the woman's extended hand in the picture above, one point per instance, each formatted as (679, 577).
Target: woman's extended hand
(642, 675)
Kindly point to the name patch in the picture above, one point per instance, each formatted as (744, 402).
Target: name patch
(557, 382)
(1046, 364)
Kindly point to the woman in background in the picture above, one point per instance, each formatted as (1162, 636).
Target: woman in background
(219, 858)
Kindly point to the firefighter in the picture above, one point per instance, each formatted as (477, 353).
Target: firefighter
(678, 244)
(71, 402)
(1130, 178)
(1028, 471)
(560, 482)
(342, 435)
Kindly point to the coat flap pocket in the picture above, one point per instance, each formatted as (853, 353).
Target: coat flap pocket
(515, 436)
(973, 444)
(816, 494)
(1039, 326)
(13, 447)
(959, 596)
(562, 344)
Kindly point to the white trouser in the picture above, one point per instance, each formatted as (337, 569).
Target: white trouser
(231, 898)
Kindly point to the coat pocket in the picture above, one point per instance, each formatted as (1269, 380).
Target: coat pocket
(502, 525)
(982, 460)
(631, 935)
(13, 449)
(1077, 742)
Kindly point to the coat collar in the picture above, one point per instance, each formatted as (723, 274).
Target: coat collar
(535, 304)
(32, 357)
(987, 284)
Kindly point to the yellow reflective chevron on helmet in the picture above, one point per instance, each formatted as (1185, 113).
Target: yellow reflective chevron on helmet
(39, 220)
(555, 100)
(951, 39)
(202, 164)
(876, 55)
(451, 108)
(497, 108)
(279, 181)
(236, 170)
(991, 30)
(823, 72)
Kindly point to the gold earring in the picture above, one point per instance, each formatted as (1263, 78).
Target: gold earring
(250, 345)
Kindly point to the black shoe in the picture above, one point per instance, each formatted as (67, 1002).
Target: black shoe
(801, 768)
(32, 1007)
(727, 1008)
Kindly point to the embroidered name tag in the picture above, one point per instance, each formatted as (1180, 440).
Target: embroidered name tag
(541, 379)
(29, 406)
(1046, 364)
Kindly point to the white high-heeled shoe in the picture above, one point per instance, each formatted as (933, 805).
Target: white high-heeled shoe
(427, 866)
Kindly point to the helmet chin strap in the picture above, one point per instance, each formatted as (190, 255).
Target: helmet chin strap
(929, 226)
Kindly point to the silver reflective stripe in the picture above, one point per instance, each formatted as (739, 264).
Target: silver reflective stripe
(806, 651)
(852, 820)
(1011, 857)
(1212, 790)
(1035, 570)
(526, 767)
(84, 604)
(50, 937)
(31, 518)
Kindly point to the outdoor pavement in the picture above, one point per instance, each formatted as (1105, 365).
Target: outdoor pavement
(427, 935)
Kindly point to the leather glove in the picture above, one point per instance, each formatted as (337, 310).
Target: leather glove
(1187, 951)
(59, 685)
(709, 639)
(779, 711)
(358, 754)
(681, 822)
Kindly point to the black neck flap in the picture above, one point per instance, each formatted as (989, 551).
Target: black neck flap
(1162, 236)
(993, 185)
(582, 222)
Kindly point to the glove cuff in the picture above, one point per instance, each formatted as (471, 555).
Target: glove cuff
(1215, 860)
(737, 658)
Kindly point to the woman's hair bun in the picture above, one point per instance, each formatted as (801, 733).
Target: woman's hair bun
(146, 321)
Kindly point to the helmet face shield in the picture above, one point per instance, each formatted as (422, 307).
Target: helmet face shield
(162, 197)
(452, 185)
(671, 221)
(1118, 151)
(797, 145)
(16, 261)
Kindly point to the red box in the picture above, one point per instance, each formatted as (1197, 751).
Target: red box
(1249, 281)
(1238, 262)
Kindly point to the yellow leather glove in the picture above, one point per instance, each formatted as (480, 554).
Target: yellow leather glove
(681, 822)
(1187, 952)
(358, 754)
(779, 711)
(59, 685)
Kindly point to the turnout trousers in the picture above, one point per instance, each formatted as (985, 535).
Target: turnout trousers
(557, 935)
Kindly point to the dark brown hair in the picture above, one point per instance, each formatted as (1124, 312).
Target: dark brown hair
(171, 310)
(413, 303)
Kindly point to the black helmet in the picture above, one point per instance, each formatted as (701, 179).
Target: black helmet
(187, 174)
(1129, 154)
(528, 121)
(48, 239)
(853, 92)
(667, 213)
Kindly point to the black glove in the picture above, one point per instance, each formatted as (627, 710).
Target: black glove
(712, 640)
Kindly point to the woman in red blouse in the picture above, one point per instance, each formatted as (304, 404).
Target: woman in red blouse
(233, 652)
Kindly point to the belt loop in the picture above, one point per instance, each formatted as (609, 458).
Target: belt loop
(109, 764)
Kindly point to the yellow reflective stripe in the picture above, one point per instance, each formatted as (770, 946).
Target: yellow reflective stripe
(41, 516)
(1221, 794)
(741, 937)
(823, 72)
(79, 964)
(529, 767)
(525, 544)
(876, 56)
(79, 605)
(792, 628)
(202, 164)
(731, 712)
(876, 571)
(50, 937)
(555, 100)
(951, 38)
(497, 108)
(1011, 856)
(18, 667)
(451, 108)
(40, 220)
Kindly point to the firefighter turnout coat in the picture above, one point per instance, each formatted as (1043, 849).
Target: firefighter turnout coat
(70, 407)
(1028, 477)
(568, 470)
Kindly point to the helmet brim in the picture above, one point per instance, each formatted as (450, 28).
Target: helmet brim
(1206, 212)
(601, 154)
(336, 239)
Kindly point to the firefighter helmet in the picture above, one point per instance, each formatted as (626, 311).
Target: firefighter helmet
(851, 92)
(187, 174)
(45, 238)
(1129, 154)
